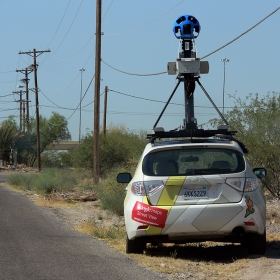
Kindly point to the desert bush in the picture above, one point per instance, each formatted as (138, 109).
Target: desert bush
(22, 181)
(48, 181)
(117, 147)
(257, 122)
(111, 193)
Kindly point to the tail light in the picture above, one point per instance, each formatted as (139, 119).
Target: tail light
(236, 183)
(246, 184)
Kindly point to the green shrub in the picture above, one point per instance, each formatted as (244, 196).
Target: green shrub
(25, 181)
(16, 179)
(116, 147)
(111, 193)
(48, 181)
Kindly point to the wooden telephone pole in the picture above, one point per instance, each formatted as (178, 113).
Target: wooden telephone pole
(105, 110)
(97, 94)
(25, 80)
(35, 53)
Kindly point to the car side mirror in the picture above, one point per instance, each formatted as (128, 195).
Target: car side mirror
(260, 172)
(124, 177)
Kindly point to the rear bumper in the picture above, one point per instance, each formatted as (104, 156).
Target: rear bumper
(225, 222)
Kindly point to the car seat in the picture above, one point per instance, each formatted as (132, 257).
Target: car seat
(221, 164)
(165, 168)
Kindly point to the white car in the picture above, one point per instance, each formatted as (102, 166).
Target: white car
(194, 190)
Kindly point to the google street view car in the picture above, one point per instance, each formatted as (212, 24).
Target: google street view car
(193, 185)
(194, 190)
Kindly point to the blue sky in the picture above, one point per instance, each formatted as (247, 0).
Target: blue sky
(138, 39)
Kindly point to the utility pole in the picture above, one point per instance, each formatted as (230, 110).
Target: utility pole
(80, 123)
(26, 72)
(97, 94)
(34, 54)
(105, 110)
(21, 114)
(224, 60)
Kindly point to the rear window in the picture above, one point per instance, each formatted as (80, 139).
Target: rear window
(193, 161)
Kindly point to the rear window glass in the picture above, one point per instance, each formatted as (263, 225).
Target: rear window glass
(193, 161)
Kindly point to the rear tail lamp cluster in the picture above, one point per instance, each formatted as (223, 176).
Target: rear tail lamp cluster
(246, 184)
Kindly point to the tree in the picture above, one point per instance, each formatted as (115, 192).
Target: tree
(118, 147)
(9, 133)
(257, 122)
(52, 130)
(57, 159)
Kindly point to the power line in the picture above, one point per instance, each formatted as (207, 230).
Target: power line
(69, 28)
(107, 10)
(159, 101)
(147, 99)
(82, 97)
(4, 110)
(5, 72)
(242, 33)
(89, 38)
(134, 74)
(140, 27)
(6, 95)
(59, 23)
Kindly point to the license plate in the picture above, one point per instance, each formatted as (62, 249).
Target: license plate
(190, 193)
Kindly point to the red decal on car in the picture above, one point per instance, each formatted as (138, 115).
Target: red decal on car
(149, 215)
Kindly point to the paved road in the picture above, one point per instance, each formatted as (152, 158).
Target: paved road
(37, 245)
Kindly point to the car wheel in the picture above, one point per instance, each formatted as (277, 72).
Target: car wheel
(256, 243)
(136, 246)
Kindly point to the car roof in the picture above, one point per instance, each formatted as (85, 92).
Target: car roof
(220, 135)
(189, 141)
(211, 143)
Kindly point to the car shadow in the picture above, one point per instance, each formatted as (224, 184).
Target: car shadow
(210, 251)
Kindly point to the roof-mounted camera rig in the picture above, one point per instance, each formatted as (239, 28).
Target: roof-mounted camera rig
(188, 68)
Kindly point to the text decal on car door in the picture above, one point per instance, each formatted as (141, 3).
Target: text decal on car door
(149, 215)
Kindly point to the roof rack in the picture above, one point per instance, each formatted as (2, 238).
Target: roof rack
(196, 133)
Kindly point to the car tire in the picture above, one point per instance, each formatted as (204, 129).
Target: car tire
(136, 246)
(256, 243)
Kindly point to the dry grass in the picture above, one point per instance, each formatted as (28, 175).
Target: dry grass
(52, 204)
(101, 231)
(273, 216)
(199, 260)
(272, 237)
